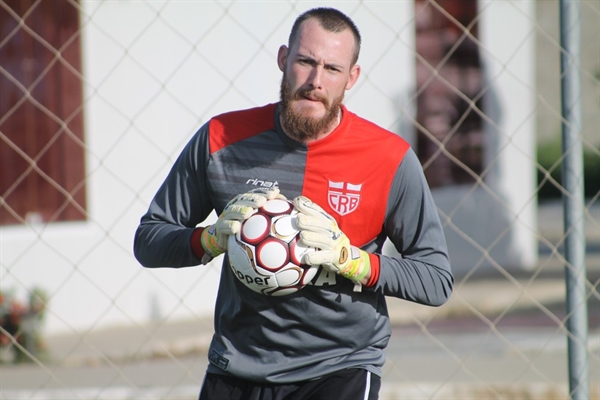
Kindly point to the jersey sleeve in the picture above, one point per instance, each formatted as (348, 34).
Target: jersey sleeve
(422, 272)
(162, 238)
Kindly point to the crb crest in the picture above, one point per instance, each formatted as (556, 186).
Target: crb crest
(343, 197)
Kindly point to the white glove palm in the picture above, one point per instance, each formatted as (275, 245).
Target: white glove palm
(319, 229)
(240, 208)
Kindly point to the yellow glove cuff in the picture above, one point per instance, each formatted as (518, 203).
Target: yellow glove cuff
(359, 265)
(209, 242)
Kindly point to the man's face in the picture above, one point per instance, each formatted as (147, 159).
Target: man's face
(317, 70)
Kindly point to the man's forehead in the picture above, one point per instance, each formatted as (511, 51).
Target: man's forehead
(315, 41)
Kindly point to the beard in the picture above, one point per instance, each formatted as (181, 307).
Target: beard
(300, 126)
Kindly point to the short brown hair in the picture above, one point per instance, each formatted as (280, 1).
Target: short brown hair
(331, 20)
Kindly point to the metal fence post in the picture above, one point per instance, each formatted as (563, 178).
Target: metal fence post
(573, 200)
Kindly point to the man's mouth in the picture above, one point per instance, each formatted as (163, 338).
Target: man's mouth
(311, 97)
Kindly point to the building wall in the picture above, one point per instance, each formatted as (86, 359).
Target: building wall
(547, 79)
(155, 71)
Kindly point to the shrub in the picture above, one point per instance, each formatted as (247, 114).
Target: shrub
(550, 162)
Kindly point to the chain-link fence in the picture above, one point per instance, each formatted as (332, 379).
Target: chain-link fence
(97, 98)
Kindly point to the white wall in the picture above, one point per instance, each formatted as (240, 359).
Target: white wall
(510, 65)
(154, 72)
(495, 226)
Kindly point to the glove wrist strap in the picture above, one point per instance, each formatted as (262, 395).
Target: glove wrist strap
(359, 266)
(210, 244)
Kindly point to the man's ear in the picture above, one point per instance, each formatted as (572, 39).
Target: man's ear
(282, 57)
(354, 74)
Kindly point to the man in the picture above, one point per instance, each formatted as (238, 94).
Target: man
(327, 340)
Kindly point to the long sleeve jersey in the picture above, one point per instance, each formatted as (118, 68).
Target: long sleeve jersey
(368, 178)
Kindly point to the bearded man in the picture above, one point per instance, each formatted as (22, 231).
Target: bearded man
(354, 185)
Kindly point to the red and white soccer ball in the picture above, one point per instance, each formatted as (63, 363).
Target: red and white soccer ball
(266, 254)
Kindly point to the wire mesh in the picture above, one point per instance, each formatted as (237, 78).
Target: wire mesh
(99, 97)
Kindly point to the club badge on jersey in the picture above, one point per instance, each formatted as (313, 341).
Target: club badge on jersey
(343, 197)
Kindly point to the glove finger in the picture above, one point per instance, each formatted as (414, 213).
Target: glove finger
(226, 227)
(268, 193)
(255, 198)
(238, 212)
(318, 240)
(222, 241)
(249, 199)
(324, 257)
(314, 224)
(305, 205)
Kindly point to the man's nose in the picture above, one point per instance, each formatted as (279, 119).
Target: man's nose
(316, 76)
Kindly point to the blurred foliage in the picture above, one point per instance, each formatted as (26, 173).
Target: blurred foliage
(549, 157)
(21, 322)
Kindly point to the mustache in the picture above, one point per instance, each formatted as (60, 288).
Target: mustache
(310, 93)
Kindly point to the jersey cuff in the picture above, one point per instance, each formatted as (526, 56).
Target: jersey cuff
(195, 243)
(374, 270)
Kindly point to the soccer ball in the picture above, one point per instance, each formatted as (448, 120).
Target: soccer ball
(266, 254)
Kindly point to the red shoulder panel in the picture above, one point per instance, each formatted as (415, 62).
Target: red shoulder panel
(234, 126)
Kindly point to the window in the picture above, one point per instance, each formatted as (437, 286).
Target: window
(442, 113)
(42, 165)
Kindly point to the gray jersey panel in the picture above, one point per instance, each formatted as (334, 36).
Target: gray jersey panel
(326, 326)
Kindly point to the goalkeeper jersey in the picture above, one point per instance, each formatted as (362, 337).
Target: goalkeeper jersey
(368, 178)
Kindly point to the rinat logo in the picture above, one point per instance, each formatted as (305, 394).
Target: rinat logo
(343, 197)
(261, 183)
